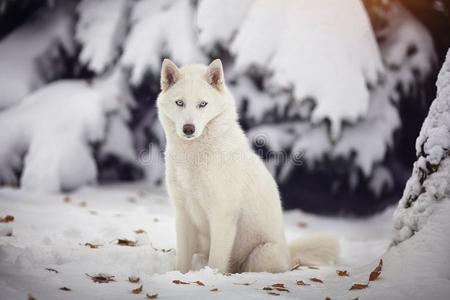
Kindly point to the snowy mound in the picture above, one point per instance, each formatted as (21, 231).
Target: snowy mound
(429, 183)
(330, 55)
(51, 133)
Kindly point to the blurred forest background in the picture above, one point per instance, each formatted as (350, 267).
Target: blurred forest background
(344, 85)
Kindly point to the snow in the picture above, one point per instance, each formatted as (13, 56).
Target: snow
(428, 185)
(27, 53)
(160, 28)
(330, 55)
(51, 132)
(407, 45)
(100, 30)
(49, 231)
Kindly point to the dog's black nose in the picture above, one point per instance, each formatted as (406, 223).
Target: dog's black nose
(188, 129)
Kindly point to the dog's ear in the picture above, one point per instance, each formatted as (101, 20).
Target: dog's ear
(214, 74)
(169, 74)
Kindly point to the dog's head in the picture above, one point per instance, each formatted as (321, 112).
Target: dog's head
(192, 96)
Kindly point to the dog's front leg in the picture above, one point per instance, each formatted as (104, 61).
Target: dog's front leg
(222, 234)
(186, 240)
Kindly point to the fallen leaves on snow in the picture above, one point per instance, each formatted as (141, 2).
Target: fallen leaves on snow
(137, 290)
(152, 296)
(7, 219)
(314, 279)
(176, 281)
(65, 288)
(91, 245)
(125, 242)
(139, 231)
(198, 282)
(300, 282)
(101, 278)
(134, 279)
(302, 224)
(376, 272)
(343, 273)
(52, 270)
(358, 286)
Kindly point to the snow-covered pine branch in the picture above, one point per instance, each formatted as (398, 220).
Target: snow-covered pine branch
(160, 28)
(35, 53)
(47, 139)
(312, 47)
(285, 123)
(100, 30)
(428, 186)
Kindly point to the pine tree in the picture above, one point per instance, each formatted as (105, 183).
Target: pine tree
(429, 182)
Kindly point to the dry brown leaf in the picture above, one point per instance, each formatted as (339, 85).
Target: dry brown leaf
(357, 298)
(327, 298)
(134, 279)
(67, 199)
(296, 267)
(313, 268)
(342, 273)
(278, 285)
(244, 283)
(273, 293)
(198, 282)
(7, 219)
(358, 286)
(9, 234)
(376, 272)
(300, 282)
(30, 297)
(282, 290)
(302, 224)
(374, 276)
(176, 281)
(65, 288)
(125, 242)
(267, 288)
(101, 278)
(52, 270)
(153, 296)
(137, 290)
(314, 279)
(379, 267)
(139, 231)
(91, 245)
(214, 290)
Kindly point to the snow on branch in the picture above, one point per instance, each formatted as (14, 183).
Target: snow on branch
(313, 47)
(429, 182)
(100, 30)
(34, 54)
(47, 139)
(160, 28)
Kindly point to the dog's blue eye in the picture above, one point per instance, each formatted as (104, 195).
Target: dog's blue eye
(202, 104)
(179, 103)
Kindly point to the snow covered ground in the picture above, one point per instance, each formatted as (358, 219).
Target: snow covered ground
(49, 232)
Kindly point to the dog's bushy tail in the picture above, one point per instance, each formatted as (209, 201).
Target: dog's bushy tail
(314, 250)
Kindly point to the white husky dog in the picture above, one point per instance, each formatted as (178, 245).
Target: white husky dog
(228, 209)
